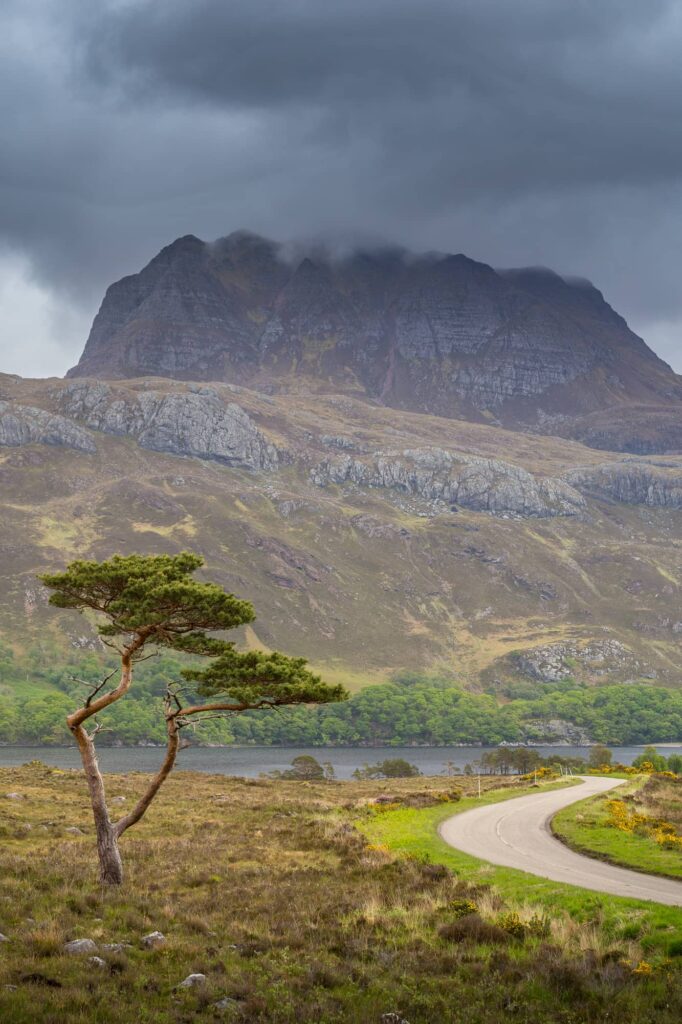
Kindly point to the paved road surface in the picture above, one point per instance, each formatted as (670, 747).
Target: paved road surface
(516, 834)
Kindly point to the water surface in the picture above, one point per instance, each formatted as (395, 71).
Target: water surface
(251, 761)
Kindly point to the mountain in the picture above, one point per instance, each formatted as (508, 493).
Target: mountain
(437, 334)
(370, 539)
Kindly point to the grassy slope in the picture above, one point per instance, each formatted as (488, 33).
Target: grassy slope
(584, 827)
(415, 833)
(361, 581)
(267, 889)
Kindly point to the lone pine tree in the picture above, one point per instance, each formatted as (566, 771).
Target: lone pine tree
(151, 602)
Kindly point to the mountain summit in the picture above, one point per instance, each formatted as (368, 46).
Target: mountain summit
(433, 333)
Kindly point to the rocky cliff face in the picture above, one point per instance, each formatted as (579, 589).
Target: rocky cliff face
(193, 422)
(484, 485)
(432, 333)
(641, 482)
(24, 425)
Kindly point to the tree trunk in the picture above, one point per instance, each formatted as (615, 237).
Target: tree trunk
(172, 747)
(110, 864)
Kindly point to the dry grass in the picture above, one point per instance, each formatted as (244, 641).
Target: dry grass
(267, 889)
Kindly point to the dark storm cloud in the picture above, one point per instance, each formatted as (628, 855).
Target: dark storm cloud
(538, 131)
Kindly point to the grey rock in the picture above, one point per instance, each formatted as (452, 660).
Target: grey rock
(118, 800)
(555, 662)
(338, 441)
(116, 947)
(556, 731)
(23, 424)
(226, 1004)
(155, 940)
(79, 947)
(179, 422)
(3, 938)
(14, 796)
(641, 482)
(456, 479)
(192, 981)
(97, 961)
(74, 831)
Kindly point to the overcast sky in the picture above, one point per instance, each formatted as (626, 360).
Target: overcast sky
(525, 132)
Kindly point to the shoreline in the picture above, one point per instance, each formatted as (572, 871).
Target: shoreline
(349, 746)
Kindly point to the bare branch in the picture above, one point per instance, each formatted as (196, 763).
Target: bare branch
(146, 657)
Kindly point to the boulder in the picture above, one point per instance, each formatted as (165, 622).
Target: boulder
(193, 981)
(226, 1004)
(79, 947)
(155, 940)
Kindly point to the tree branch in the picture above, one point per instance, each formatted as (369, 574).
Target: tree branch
(92, 708)
(164, 771)
(95, 687)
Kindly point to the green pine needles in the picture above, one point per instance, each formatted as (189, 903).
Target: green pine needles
(147, 602)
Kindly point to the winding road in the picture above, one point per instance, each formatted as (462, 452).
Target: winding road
(516, 834)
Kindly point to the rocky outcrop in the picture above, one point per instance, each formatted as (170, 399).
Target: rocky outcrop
(194, 422)
(557, 731)
(655, 484)
(554, 663)
(23, 424)
(484, 485)
(432, 333)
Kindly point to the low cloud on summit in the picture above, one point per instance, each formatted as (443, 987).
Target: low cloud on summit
(533, 132)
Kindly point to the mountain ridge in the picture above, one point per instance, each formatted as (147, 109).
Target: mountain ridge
(436, 333)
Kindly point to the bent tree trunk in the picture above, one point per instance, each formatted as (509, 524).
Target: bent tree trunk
(111, 866)
(108, 832)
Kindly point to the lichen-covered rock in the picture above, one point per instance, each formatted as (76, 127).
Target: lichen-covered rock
(23, 424)
(486, 485)
(197, 423)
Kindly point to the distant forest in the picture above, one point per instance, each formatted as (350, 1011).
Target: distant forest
(426, 710)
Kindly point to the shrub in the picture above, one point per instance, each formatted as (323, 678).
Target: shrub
(512, 924)
(472, 928)
(462, 908)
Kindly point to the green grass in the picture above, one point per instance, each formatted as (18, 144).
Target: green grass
(414, 833)
(584, 827)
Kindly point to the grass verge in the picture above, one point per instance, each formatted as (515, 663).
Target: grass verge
(414, 833)
(585, 827)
